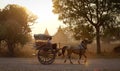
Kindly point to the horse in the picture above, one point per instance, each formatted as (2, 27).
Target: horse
(79, 49)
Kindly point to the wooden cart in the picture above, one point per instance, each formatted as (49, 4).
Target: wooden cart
(46, 54)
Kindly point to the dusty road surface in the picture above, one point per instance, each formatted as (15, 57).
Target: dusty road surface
(32, 64)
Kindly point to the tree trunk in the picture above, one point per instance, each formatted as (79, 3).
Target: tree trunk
(11, 49)
(98, 40)
(0, 46)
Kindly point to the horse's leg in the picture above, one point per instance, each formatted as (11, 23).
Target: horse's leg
(69, 56)
(80, 55)
(70, 60)
(85, 58)
(65, 59)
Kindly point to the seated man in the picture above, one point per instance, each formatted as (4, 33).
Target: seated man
(48, 44)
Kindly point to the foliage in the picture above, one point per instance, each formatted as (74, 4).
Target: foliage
(86, 31)
(111, 32)
(95, 13)
(14, 25)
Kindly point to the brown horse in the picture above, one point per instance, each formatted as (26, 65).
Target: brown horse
(79, 49)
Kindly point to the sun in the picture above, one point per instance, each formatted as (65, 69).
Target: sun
(46, 18)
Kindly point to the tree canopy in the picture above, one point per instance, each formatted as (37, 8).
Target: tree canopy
(96, 14)
(14, 25)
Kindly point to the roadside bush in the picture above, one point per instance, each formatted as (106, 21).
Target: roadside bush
(117, 49)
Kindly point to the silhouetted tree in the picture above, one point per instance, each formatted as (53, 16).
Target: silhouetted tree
(14, 25)
(96, 13)
(111, 32)
(86, 31)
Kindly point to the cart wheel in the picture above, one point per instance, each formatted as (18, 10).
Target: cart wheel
(46, 57)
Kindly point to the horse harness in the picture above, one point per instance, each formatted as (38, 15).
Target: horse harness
(83, 46)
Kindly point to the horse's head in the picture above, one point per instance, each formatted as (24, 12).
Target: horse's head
(87, 41)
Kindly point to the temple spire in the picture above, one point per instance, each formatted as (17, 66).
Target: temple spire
(46, 32)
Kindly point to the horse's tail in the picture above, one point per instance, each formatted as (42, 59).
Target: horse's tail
(63, 50)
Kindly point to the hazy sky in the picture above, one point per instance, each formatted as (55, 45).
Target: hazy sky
(43, 9)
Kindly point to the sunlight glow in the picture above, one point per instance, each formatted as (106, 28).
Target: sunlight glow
(41, 8)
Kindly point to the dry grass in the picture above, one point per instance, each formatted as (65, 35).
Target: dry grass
(107, 51)
(25, 51)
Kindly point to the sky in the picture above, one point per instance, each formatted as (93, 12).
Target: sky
(41, 8)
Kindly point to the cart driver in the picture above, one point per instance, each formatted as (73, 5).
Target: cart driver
(49, 44)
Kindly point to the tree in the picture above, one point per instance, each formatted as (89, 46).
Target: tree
(15, 21)
(95, 13)
(111, 32)
(86, 31)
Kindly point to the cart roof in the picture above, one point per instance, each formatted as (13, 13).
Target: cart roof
(41, 36)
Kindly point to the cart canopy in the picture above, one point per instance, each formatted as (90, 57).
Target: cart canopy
(41, 36)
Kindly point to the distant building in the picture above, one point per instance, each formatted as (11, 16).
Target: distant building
(60, 38)
(46, 32)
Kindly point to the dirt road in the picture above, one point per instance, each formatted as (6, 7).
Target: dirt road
(32, 64)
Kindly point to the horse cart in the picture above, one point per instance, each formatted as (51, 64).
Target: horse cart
(46, 54)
